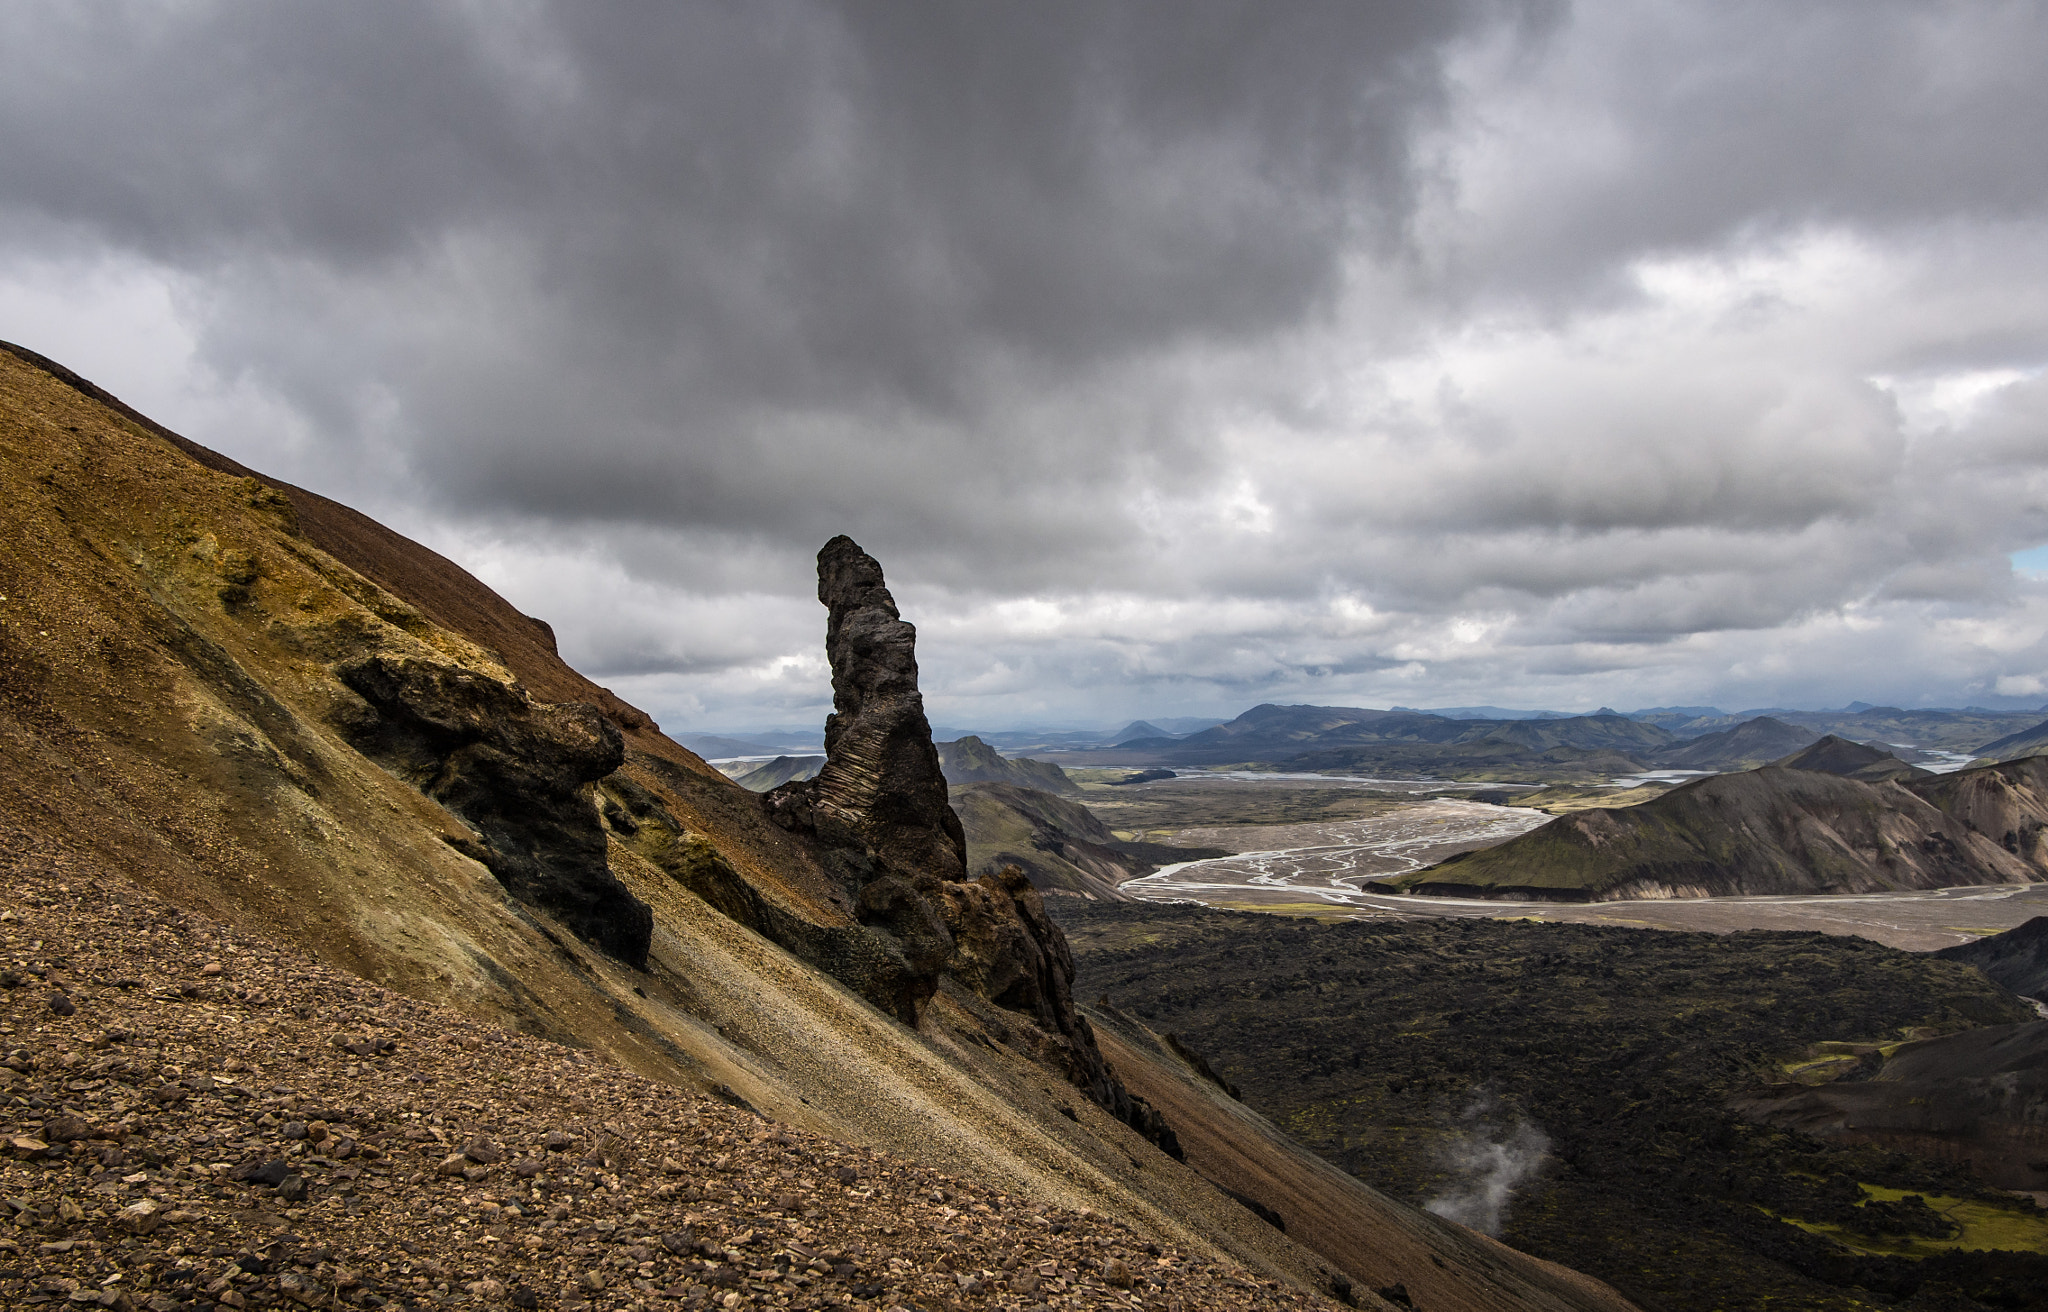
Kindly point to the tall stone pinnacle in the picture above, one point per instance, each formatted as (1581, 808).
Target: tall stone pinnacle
(881, 788)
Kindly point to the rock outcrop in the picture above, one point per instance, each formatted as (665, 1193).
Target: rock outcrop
(518, 772)
(880, 808)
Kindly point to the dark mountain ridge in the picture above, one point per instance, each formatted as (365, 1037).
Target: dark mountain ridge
(2016, 960)
(1774, 830)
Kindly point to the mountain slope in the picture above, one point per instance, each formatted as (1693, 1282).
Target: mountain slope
(270, 710)
(2016, 960)
(969, 760)
(1766, 831)
(1744, 747)
(1832, 755)
(775, 773)
(1059, 844)
(2030, 741)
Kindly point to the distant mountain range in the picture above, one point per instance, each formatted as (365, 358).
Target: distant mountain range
(1360, 740)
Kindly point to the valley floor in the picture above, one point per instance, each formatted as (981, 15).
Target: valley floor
(1324, 867)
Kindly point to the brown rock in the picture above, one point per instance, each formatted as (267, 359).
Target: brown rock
(68, 1129)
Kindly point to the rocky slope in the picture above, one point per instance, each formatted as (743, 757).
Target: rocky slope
(1773, 830)
(274, 713)
(196, 1117)
(2016, 960)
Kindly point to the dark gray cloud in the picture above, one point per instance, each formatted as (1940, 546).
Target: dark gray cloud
(1170, 355)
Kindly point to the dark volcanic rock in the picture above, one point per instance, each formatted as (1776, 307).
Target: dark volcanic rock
(881, 787)
(2016, 959)
(517, 771)
(880, 809)
(879, 803)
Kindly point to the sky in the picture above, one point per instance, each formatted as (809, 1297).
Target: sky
(1171, 357)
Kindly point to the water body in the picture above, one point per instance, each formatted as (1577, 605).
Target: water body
(1331, 868)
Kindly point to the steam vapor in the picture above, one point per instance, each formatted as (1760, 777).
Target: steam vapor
(1487, 1162)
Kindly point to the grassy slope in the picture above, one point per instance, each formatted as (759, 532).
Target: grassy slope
(1370, 1041)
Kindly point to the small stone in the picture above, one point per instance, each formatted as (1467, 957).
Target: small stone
(1115, 1273)
(68, 1129)
(846, 1175)
(452, 1164)
(557, 1142)
(22, 1146)
(486, 1288)
(317, 1131)
(139, 1218)
(292, 1188)
(294, 1130)
(483, 1152)
(63, 1005)
(526, 1168)
(271, 1173)
(524, 1299)
(211, 968)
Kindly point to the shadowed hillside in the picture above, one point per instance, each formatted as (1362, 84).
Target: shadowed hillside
(1773, 830)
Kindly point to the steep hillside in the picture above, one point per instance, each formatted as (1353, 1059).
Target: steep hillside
(1832, 755)
(1771, 831)
(271, 711)
(2015, 960)
(1744, 747)
(2031, 741)
(780, 771)
(1059, 845)
(969, 760)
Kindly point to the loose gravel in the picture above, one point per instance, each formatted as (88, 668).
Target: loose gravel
(193, 1118)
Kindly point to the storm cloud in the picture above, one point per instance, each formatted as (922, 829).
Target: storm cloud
(1171, 357)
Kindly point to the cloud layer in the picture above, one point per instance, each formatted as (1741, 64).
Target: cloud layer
(1171, 358)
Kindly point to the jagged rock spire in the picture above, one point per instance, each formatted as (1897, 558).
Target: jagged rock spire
(881, 788)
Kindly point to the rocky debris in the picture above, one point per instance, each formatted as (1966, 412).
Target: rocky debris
(281, 1135)
(517, 771)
